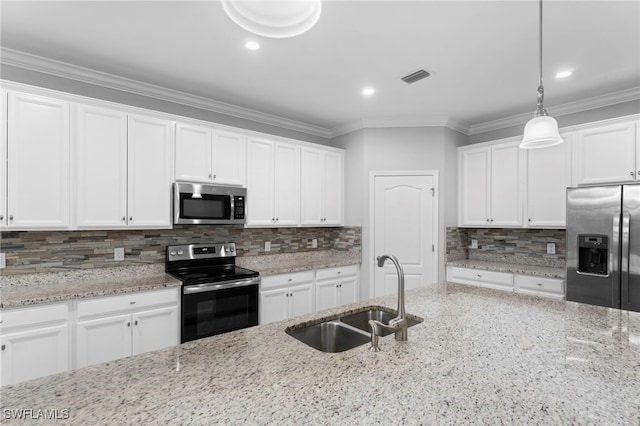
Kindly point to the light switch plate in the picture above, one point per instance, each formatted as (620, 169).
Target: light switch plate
(551, 248)
(267, 246)
(474, 243)
(118, 254)
(314, 243)
(3, 260)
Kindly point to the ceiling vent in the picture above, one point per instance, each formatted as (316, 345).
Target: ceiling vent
(415, 76)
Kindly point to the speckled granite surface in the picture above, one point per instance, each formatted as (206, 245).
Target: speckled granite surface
(29, 289)
(516, 268)
(480, 357)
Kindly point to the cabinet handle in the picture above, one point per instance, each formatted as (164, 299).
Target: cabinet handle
(124, 218)
(539, 284)
(1, 217)
(290, 279)
(129, 324)
(215, 176)
(210, 176)
(4, 347)
(491, 220)
(632, 174)
(487, 220)
(10, 217)
(130, 218)
(529, 220)
(277, 219)
(479, 276)
(132, 302)
(135, 323)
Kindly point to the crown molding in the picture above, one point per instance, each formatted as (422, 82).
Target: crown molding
(613, 98)
(18, 59)
(388, 123)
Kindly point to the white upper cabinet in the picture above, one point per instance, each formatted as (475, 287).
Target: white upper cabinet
(150, 172)
(490, 185)
(322, 187)
(100, 167)
(38, 183)
(273, 183)
(208, 155)
(3, 161)
(607, 154)
(548, 176)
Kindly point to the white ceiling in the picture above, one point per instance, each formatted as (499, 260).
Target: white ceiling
(482, 55)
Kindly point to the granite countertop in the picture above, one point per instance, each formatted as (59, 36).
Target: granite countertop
(30, 289)
(516, 268)
(480, 357)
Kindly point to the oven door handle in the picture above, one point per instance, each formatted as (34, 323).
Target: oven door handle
(201, 288)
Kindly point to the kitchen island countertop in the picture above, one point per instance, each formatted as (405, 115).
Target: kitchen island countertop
(480, 357)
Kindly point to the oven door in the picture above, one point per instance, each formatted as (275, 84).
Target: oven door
(210, 309)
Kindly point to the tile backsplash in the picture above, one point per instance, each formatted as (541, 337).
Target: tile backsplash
(32, 251)
(523, 246)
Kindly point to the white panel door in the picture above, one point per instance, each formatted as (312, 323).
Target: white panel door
(404, 226)
(150, 172)
(548, 176)
(301, 300)
(474, 186)
(333, 188)
(287, 187)
(348, 290)
(38, 191)
(606, 154)
(193, 153)
(311, 181)
(326, 294)
(155, 329)
(103, 339)
(260, 182)
(229, 158)
(99, 155)
(507, 162)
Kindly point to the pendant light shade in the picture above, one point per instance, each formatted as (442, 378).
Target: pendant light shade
(541, 131)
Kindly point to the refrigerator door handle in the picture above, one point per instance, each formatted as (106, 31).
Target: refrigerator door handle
(624, 255)
(614, 255)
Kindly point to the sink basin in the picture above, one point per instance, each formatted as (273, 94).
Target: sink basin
(360, 320)
(330, 336)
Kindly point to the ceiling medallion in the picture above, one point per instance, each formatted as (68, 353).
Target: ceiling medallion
(274, 18)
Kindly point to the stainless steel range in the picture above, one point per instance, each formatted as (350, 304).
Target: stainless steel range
(217, 295)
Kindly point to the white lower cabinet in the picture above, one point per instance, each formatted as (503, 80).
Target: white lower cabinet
(540, 286)
(336, 287)
(35, 342)
(113, 327)
(286, 296)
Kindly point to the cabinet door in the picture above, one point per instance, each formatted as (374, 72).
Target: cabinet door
(548, 176)
(103, 339)
(287, 189)
(473, 186)
(311, 181)
(3, 160)
(333, 166)
(347, 290)
(260, 183)
(274, 305)
(100, 167)
(155, 329)
(326, 294)
(507, 162)
(34, 353)
(301, 300)
(606, 154)
(38, 163)
(193, 153)
(150, 172)
(229, 158)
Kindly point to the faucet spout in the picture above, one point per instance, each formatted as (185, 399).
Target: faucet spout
(398, 324)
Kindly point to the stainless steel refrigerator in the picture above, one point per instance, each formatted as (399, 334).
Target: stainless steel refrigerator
(603, 246)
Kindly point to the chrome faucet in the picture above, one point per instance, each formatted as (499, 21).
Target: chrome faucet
(398, 324)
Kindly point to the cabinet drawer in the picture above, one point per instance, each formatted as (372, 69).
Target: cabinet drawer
(480, 277)
(275, 281)
(539, 285)
(340, 271)
(47, 314)
(126, 302)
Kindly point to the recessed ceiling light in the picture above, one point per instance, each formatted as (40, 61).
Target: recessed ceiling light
(252, 45)
(368, 91)
(563, 74)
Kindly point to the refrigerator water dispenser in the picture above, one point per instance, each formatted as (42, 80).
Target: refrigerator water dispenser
(593, 252)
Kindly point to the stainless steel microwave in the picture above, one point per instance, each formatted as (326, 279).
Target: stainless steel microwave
(202, 204)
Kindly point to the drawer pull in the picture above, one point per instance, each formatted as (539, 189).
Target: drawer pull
(539, 284)
(132, 303)
(4, 347)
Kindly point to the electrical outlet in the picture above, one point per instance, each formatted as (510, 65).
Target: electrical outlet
(551, 248)
(474, 244)
(3, 260)
(118, 254)
(314, 243)
(267, 246)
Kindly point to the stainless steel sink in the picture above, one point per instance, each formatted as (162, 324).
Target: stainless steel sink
(360, 320)
(330, 336)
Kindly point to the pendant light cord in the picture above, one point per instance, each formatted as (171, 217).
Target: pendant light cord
(540, 111)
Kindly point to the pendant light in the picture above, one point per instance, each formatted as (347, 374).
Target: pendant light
(541, 131)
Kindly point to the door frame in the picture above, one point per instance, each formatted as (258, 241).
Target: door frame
(435, 225)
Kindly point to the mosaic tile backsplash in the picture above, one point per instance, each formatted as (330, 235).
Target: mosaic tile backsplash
(29, 252)
(523, 246)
